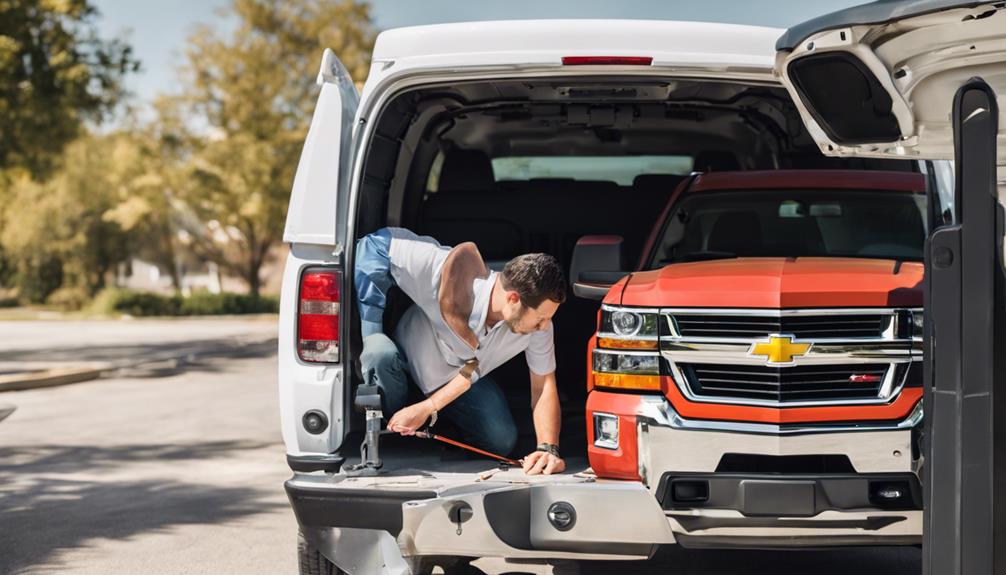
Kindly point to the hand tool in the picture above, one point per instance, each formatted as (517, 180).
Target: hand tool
(426, 434)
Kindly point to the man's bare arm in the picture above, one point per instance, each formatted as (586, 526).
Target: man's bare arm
(407, 420)
(545, 406)
(547, 420)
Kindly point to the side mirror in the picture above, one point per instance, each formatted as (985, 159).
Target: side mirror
(598, 263)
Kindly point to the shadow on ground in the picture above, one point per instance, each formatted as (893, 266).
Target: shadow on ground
(45, 510)
(153, 351)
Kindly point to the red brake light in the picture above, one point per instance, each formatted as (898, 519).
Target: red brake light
(318, 316)
(607, 60)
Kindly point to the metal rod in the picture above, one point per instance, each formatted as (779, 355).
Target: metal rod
(449, 441)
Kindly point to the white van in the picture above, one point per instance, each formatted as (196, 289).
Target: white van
(524, 136)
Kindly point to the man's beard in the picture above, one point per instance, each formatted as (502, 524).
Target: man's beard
(514, 322)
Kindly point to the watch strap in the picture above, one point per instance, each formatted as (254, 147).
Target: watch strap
(548, 448)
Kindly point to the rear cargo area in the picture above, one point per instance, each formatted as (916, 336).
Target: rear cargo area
(532, 165)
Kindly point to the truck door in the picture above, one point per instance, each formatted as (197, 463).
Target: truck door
(918, 80)
(312, 394)
(323, 172)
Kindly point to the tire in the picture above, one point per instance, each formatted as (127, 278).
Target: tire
(312, 562)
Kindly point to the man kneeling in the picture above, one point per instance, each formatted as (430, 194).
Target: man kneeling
(465, 322)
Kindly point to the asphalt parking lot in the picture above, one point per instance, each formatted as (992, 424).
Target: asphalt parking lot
(177, 467)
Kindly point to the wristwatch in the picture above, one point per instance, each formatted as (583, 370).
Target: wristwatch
(549, 448)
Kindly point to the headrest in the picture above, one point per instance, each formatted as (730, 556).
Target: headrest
(466, 170)
(716, 161)
(665, 182)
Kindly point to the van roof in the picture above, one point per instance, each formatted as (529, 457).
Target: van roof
(537, 42)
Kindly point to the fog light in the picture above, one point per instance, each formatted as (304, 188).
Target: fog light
(606, 430)
(889, 493)
(562, 516)
(315, 422)
(695, 491)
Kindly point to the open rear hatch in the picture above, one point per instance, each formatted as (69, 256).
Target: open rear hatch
(879, 80)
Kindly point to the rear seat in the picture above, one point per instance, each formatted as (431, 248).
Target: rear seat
(539, 215)
(506, 219)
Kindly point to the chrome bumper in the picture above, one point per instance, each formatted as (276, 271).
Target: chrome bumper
(752, 509)
(388, 524)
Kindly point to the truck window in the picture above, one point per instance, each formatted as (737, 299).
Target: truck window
(794, 223)
(619, 169)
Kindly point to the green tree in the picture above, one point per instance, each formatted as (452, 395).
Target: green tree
(147, 172)
(56, 73)
(57, 233)
(254, 91)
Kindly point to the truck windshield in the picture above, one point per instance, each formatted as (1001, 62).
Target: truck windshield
(793, 223)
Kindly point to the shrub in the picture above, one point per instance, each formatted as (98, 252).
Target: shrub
(69, 298)
(227, 304)
(138, 303)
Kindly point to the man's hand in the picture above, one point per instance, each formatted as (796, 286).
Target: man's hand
(408, 419)
(544, 463)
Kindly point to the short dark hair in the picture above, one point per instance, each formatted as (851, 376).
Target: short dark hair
(534, 277)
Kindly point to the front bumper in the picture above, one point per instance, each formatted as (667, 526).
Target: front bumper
(754, 485)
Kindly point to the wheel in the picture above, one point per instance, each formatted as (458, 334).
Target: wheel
(312, 562)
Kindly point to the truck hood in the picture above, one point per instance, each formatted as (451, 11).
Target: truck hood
(778, 283)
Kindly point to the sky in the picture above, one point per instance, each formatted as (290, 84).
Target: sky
(157, 30)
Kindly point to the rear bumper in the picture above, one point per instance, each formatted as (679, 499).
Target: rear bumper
(505, 516)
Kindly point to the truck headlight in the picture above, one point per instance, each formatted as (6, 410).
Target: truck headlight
(628, 328)
(626, 369)
(606, 430)
(621, 362)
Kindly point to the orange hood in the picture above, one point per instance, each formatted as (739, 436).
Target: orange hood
(776, 283)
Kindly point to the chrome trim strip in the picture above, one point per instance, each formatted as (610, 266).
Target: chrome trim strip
(608, 307)
(826, 353)
(764, 312)
(624, 351)
(658, 411)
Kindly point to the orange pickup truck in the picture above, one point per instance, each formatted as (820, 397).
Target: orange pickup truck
(761, 371)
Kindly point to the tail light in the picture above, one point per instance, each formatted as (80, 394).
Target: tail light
(318, 317)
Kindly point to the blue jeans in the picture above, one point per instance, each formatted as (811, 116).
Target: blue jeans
(481, 413)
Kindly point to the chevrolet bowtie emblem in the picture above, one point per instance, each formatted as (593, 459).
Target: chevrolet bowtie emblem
(779, 349)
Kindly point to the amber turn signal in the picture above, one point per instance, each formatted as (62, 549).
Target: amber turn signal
(613, 343)
(627, 381)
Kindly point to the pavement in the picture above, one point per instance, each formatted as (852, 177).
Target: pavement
(178, 466)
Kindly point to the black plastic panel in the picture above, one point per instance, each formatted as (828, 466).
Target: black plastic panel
(797, 495)
(965, 527)
(845, 98)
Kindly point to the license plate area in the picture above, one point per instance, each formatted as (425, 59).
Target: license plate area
(778, 498)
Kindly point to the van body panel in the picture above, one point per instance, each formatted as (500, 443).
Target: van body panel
(322, 174)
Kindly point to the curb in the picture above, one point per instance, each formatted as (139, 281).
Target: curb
(81, 372)
(51, 377)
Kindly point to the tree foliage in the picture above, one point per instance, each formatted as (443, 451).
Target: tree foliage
(210, 176)
(56, 232)
(254, 90)
(55, 73)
